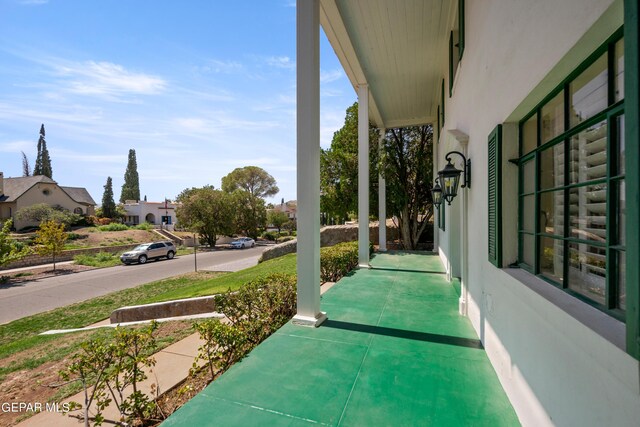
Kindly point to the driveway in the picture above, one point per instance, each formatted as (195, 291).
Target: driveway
(30, 298)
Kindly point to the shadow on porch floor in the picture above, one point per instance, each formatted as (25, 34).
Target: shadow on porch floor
(394, 351)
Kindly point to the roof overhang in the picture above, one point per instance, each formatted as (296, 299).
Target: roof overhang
(398, 48)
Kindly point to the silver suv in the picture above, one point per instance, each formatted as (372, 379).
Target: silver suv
(146, 251)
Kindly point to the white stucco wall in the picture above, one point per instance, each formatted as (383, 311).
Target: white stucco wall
(556, 370)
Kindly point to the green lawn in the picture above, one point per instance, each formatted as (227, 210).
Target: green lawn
(21, 335)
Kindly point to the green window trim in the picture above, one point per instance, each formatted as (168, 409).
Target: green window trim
(632, 166)
(439, 126)
(565, 250)
(494, 172)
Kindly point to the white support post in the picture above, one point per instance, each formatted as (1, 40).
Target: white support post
(363, 176)
(308, 162)
(382, 202)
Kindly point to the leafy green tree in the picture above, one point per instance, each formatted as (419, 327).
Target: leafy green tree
(250, 214)
(41, 212)
(339, 170)
(249, 185)
(407, 164)
(277, 219)
(131, 186)
(207, 211)
(108, 204)
(50, 239)
(10, 250)
(43, 161)
(252, 179)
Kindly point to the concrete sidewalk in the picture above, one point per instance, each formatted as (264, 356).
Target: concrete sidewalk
(172, 366)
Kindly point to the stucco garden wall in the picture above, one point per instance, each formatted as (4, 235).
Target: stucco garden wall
(34, 259)
(329, 236)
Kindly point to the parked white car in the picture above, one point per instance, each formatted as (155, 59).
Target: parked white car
(243, 242)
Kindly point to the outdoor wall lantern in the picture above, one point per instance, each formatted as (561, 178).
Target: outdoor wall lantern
(436, 194)
(450, 177)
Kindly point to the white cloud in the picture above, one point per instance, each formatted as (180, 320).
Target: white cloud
(106, 78)
(330, 76)
(16, 146)
(219, 66)
(281, 62)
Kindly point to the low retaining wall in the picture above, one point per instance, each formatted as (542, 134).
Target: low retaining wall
(35, 259)
(329, 236)
(160, 310)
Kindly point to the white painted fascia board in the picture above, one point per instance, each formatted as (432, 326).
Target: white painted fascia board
(336, 32)
(418, 121)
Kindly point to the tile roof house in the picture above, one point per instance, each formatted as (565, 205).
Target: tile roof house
(18, 193)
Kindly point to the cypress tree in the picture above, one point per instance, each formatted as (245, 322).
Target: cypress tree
(43, 161)
(108, 204)
(131, 186)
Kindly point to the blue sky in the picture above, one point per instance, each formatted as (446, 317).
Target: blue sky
(196, 87)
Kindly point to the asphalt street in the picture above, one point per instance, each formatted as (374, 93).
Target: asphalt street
(28, 298)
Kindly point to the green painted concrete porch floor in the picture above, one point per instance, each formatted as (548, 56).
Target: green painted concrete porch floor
(394, 352)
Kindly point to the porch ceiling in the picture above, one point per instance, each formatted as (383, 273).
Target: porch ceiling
(398, 48)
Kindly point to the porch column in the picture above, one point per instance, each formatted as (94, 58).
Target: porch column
(382, 202)
(436, 211)
(308, 162)
(363, 175)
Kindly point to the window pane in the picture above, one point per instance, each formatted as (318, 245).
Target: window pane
(588, 212)
(530, 134)
(619, 70)
(528, 211)
(529, 176)
(551, 258)
(528, 249)
(622, 211)
(587, 271)
(622, 290)
(552, 212)
(553, 118)
(588, 92)
(552, 167)
(620, 144)
(588, 155)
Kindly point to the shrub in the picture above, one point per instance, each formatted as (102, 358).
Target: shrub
(114, 226)
(261, 306)
(286, 239)
(92, 220)
(255, 311)
(112, 365)
(269, 235)
(144, 226)
(336, 261)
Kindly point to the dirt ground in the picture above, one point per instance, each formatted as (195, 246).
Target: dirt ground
(92, 238)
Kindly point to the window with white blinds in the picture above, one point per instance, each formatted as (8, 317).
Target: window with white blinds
(571, 183)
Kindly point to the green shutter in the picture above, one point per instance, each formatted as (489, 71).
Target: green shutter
(451, 53)
(441, 216)
(495, 202)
